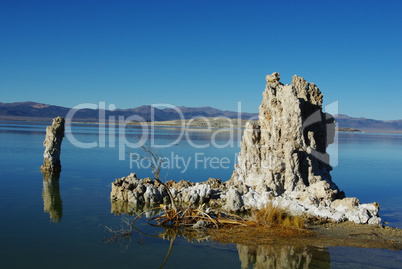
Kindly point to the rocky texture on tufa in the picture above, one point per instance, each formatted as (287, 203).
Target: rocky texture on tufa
(52, 144)
(283, 160)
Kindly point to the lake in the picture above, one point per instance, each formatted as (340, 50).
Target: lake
(61, 224)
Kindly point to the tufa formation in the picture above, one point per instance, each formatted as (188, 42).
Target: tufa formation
(52, 144)
(286, 151)
(283, 161)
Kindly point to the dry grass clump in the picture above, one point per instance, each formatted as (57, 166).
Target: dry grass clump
(268, 225)
(272, 215)
(191, 217)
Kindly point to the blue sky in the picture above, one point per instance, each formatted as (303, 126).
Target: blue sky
(201, 53)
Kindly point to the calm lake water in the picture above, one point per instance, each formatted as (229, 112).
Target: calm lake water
(61, 224)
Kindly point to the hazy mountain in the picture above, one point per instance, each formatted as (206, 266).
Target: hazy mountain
(30, 110)
(38, 111)
(43, 112)
(368, 125)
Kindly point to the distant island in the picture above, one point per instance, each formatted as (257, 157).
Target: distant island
(350, 130)
(196, 116)
(203, 122)
(218, 122)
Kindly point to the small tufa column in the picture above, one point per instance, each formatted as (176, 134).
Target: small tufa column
(52, 144)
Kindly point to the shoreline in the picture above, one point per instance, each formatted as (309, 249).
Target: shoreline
(318, 232)
(345, 234)
(162, 124)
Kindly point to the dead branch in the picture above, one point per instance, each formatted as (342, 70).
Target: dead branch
(155, 160)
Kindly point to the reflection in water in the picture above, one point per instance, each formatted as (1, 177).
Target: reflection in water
(51, 196)
(283, 256)
(267, 256)
(123, 207)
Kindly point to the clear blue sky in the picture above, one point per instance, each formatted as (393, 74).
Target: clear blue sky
(201, 53)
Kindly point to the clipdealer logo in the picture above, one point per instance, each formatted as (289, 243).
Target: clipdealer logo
(115, 131)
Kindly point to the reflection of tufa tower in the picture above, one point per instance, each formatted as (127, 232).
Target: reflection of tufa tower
(51, 196)
(283, 256)
(51, 169)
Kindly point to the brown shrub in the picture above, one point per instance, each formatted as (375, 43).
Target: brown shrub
(272, 215)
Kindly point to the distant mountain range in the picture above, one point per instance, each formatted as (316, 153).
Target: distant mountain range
(38, 111)
(368, 125)
(31, 111)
